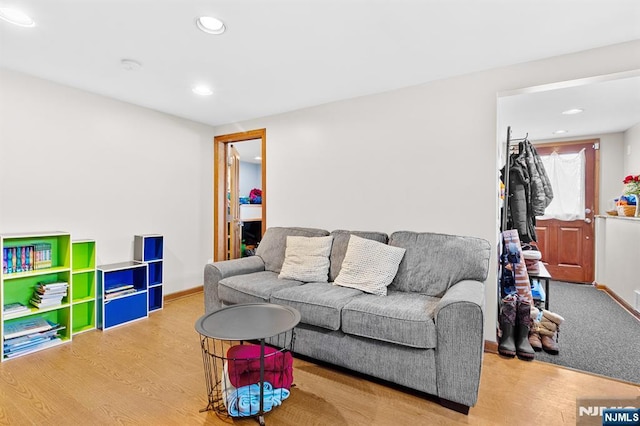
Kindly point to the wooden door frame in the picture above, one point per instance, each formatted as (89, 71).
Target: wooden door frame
(220, 184)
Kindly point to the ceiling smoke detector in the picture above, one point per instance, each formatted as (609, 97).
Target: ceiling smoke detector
(130, 65)
(211, 25)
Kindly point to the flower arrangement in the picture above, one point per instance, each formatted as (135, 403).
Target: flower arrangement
(633, 184)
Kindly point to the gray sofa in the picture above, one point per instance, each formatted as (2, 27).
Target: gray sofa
(426, 334)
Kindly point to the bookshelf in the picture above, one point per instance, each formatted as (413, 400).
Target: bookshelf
(83, 288)
(30, 259)
(149, 248)
(122, 293)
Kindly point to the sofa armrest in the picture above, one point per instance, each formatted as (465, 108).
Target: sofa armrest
(214, 272)
(459, 319)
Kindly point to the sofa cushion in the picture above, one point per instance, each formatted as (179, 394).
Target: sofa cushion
(369, 265)
(306, 259)
(340, 243)
(319, 304)
(251, 288)
(435, 262)
(402, 318)
(274, 241)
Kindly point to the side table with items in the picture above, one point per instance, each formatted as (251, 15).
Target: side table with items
(244, 379)
(542, 276)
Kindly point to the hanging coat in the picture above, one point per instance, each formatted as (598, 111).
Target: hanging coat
(519, 200)
(541, 192)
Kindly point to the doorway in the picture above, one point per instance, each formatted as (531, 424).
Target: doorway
(566, 237)
(227, 210)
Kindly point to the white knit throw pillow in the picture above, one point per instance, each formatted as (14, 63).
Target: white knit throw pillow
(369, 266)
(306, 259)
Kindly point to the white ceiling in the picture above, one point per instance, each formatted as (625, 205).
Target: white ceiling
(282, 55)
(608, 106)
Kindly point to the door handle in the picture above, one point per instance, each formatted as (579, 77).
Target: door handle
(587, 220)
(587, 210)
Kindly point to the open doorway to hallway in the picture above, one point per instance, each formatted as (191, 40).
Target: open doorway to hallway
(597, 116)
(239, 193)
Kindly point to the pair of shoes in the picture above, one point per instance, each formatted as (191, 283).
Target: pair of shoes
(549, 330)
(534, 332)
(515, 322)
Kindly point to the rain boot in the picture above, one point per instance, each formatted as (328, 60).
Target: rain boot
(507, 346)
(523, 325)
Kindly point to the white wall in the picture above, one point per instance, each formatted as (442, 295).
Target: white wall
(611, 166)
(618, 241)
(250, 177)
(422, 158)
(107, 170)
(632, 151)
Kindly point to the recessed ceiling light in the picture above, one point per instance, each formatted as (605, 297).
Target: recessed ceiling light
(210, 25)
(202, 90)
(559, 132)
(16, 17)
(130, 64)
(572, 111)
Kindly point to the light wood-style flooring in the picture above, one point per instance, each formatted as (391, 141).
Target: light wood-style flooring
(150, 373)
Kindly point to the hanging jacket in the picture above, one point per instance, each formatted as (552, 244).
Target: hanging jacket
(541, 192)
(519, 200)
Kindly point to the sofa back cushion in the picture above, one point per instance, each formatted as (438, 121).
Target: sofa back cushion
(274, 242)
(340, 244)
(434, 262)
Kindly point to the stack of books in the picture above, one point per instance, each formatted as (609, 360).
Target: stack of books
(14, 308)
(28, 335)
(46, 295)
(119, 290)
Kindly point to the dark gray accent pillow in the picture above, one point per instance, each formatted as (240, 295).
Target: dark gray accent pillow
(274, 242)
(434, 262)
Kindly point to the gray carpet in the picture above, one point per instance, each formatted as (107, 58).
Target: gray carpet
(598, 335)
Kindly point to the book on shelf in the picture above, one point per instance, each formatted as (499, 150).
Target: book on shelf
(32, 348)
(18, 259)
(45, 296)
(115, 294)
(56, 286)
(49, 294)
(26, 326)
(46, 304)
(26, 258)
(30, 339)
(14, 308)
(118, 288)
(42, 256)
(33, 341)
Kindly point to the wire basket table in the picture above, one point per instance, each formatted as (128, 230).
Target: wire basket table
(246, 353)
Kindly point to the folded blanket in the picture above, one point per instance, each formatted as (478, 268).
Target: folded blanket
(245, 401)
(244, 366)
